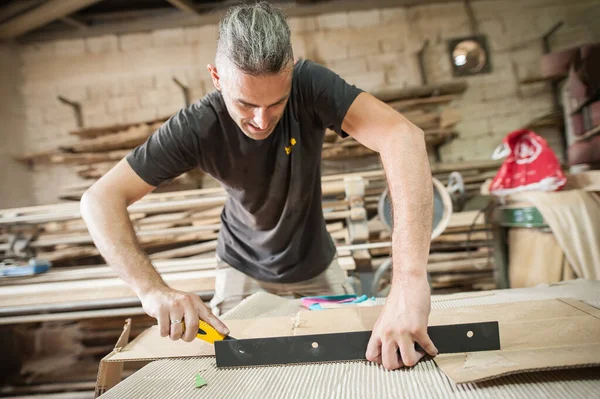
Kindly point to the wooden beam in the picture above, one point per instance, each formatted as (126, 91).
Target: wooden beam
(40, 16)
(73, 22)
(17, 7)
(184, 5)
(176, 19)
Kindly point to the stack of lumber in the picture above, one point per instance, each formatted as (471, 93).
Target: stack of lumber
(438, 129)
(460, 259)
(474, 174)
(95, 151)
(63, 356)
(177, 226)
(183, 224)
(169, 225)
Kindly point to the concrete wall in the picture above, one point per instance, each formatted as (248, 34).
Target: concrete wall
(128, 78)
(15, 178)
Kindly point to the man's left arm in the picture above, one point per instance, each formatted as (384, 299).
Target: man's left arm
(401, 146)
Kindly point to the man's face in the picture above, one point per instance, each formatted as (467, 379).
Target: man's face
(255, 103)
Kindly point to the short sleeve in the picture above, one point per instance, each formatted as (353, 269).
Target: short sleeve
(169, 152)
(330, 95)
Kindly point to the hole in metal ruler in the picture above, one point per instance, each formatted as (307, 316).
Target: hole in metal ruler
(241, 351)
(315, 345)
(470, 334)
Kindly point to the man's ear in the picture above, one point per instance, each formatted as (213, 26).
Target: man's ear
(214, 75)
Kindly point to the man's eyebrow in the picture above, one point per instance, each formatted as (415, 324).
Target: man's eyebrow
(239, 100)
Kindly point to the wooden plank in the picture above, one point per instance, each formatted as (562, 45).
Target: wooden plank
(73, 239)
(346, 263)
(460, 266)
(463, 281)
(74, 22)
(188, 250)
(403, 104)
(437, 257)
(95, 171)
(17, 7)
(163, 266)
(337, 215)
(466, 219)
(71, 210)
(175, 19)
(37, 156)
(99, 289)
(449, 118)
(162, 218)
(101, 131)
(333, 227)
(86, 158)
(421, 91)
(588, 135)
(40, 16)
(460, 166)
(72, 316)
(69, 253)
(184, 5)
(338, 152)
(123, 140)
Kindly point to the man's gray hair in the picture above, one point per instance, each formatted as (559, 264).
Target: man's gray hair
(256, 38)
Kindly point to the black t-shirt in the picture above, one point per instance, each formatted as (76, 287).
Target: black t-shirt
(272, 223)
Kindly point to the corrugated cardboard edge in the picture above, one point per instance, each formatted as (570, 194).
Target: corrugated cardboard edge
(522, 371)
(580, 305)
(110, 369)
(110, 373)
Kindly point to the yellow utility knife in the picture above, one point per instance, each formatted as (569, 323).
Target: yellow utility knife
(207, 333)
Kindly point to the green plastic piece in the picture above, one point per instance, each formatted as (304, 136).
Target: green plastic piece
(200, 382)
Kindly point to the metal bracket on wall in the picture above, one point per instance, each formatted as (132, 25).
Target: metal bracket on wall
(472, 20)
(184, 89)
(421, 57)
(76, 108)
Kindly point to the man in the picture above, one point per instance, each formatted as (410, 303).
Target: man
(260, 134)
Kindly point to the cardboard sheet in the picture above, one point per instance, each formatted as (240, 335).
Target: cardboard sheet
(535, 335)
(175, 377)
(527, 315)
(150, 345)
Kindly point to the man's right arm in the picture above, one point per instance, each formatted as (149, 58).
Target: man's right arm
(104, 210)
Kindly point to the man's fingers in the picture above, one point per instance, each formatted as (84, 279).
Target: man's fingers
(164, 326)
(409, 355)
(427, 344)
(191, 324)
(176, 320)
(206, 315)
(389, 355)
(373, 353)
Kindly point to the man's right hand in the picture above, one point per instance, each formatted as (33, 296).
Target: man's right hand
(167, 305)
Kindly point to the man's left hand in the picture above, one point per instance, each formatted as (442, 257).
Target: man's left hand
(403, 322)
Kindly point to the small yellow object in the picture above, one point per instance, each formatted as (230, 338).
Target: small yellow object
(207, 333)
(293, 141)
(288, 150)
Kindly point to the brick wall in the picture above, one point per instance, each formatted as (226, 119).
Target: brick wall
(16, 179)
(129, 78)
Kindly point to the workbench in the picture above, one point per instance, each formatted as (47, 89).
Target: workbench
(174, 378)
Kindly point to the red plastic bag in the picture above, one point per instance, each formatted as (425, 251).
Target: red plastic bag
(530, 165)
